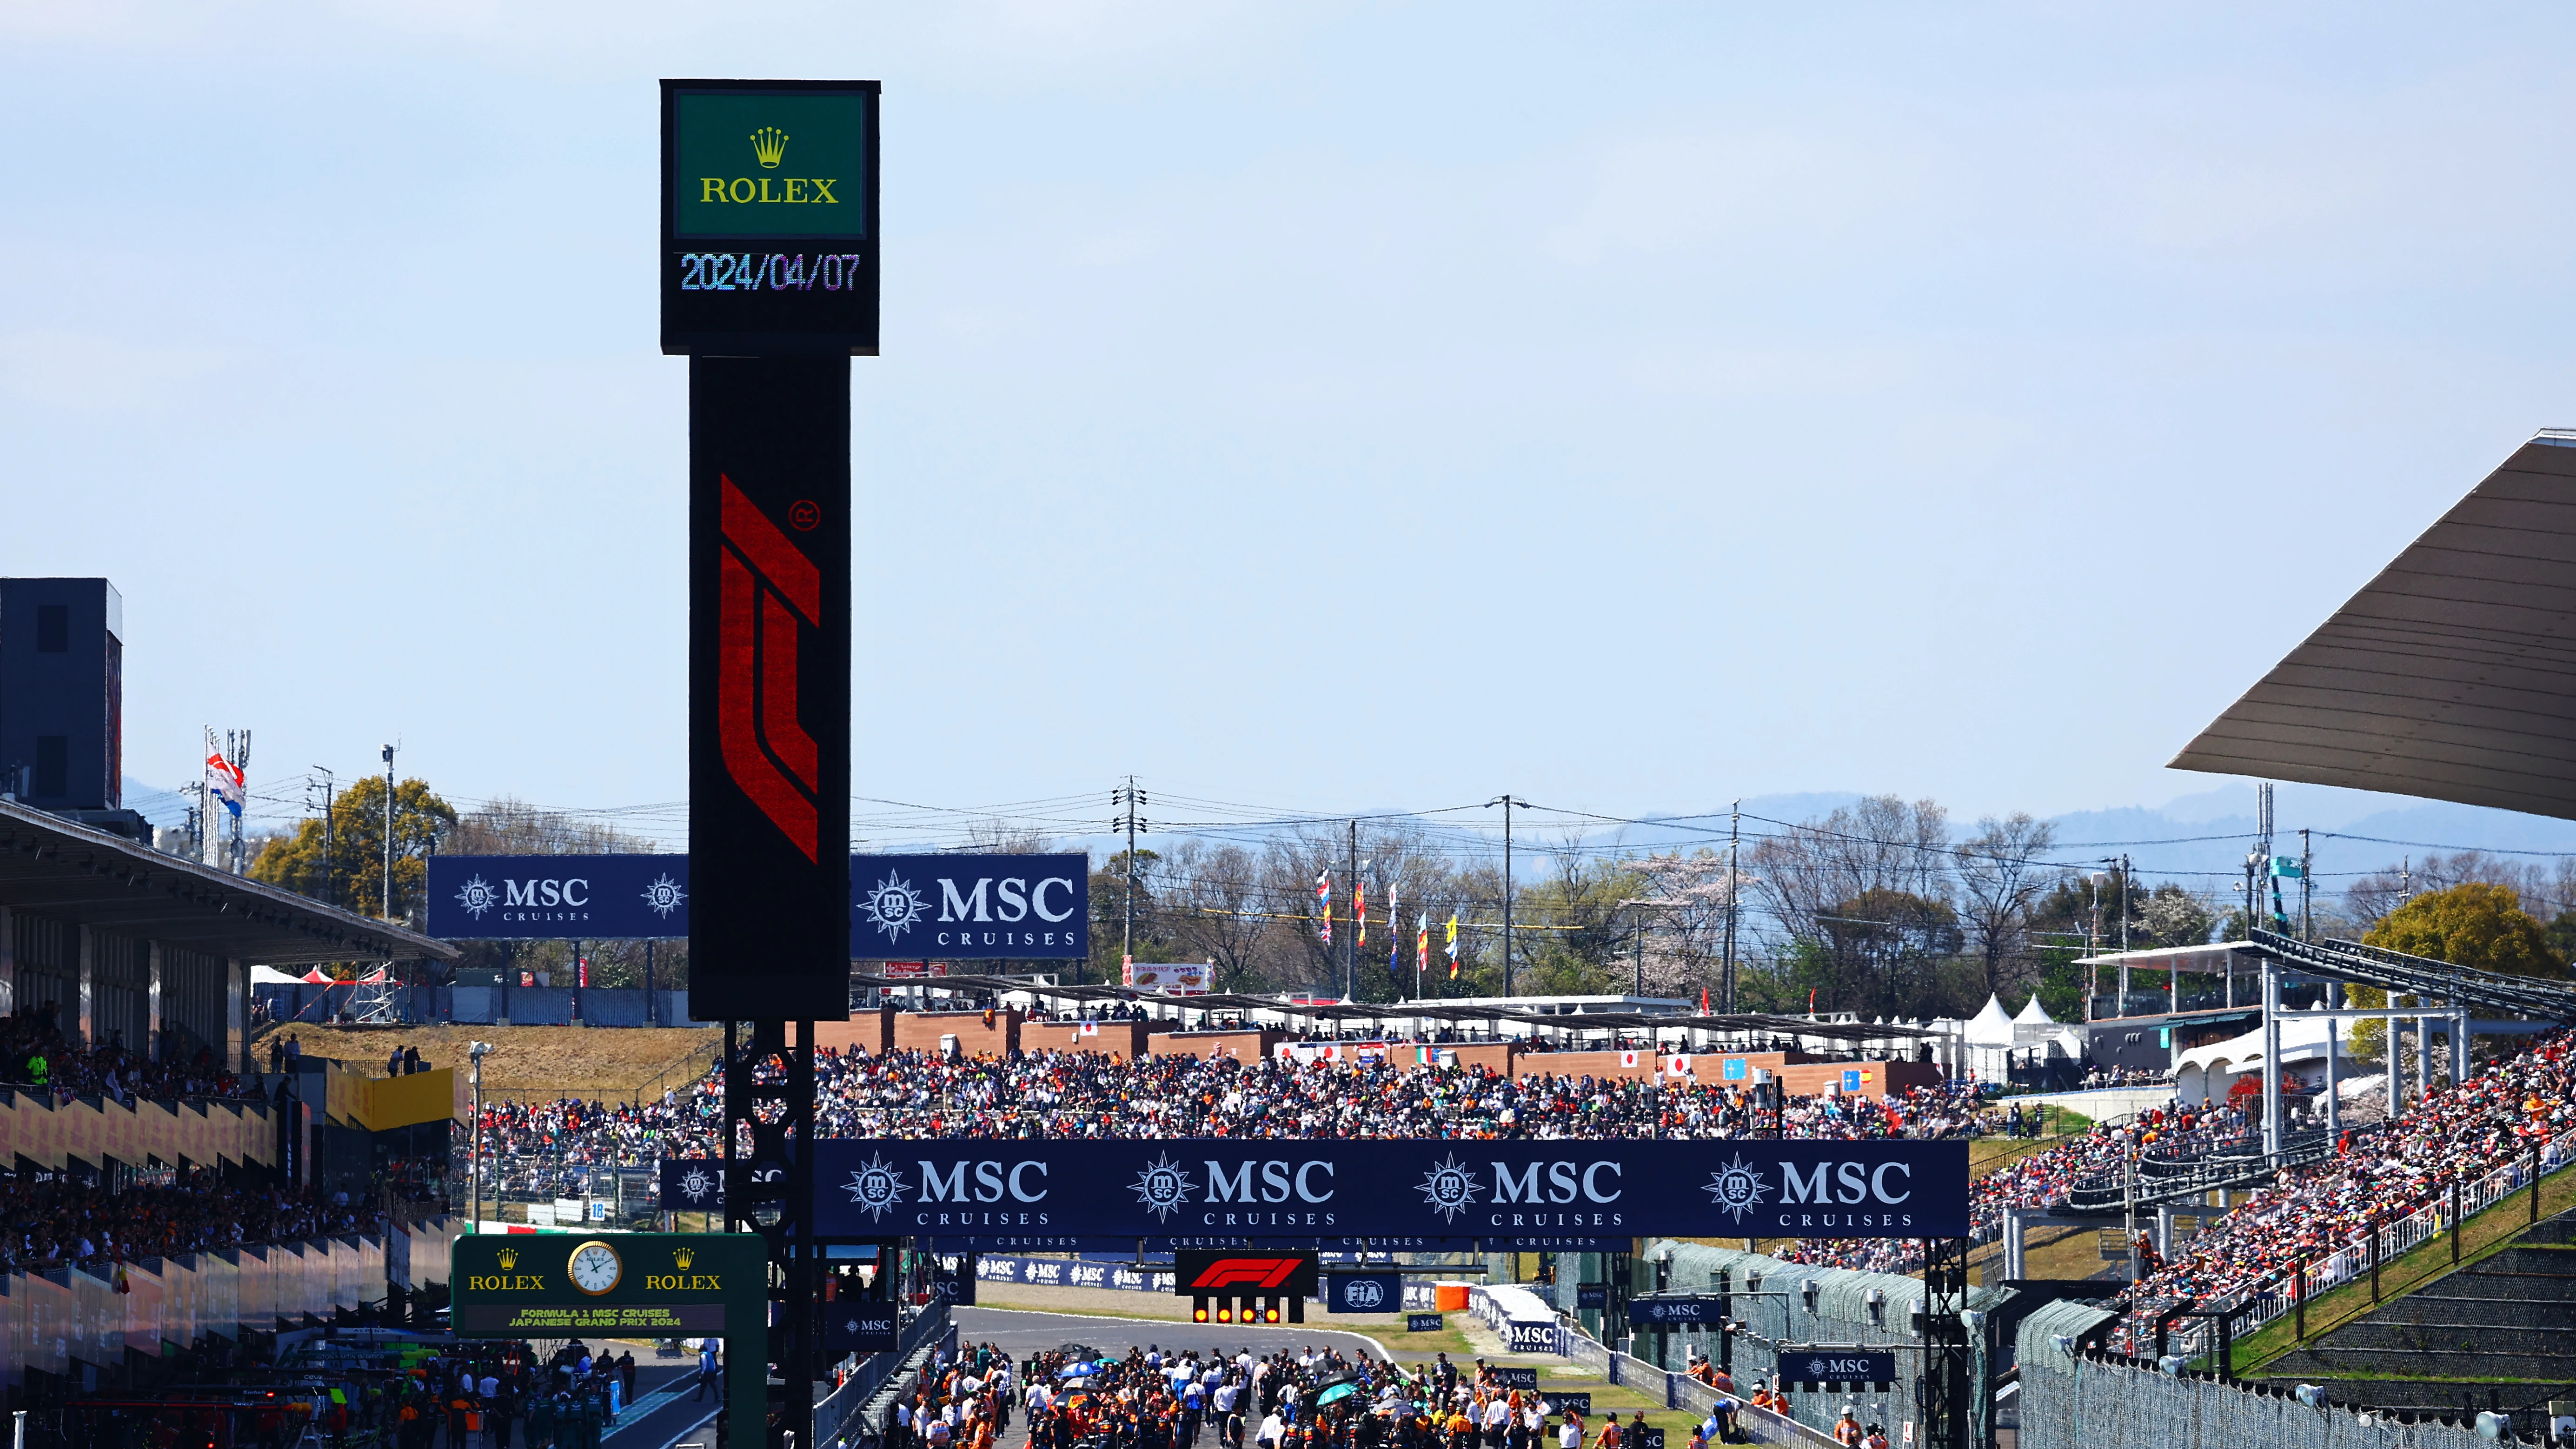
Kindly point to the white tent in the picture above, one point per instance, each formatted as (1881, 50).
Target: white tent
(1990, 1026)
(2033, 1014)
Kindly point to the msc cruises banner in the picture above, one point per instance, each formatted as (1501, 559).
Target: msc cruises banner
(969, 907)
(558, 897)
(1435, 1188)
(902, 907)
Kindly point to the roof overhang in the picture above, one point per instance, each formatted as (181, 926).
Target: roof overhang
(2452, 675)
(88, 877)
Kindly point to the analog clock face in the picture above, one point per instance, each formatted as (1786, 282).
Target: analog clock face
(595, 1268)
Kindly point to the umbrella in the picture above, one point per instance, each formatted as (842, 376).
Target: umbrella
(1335, 1394)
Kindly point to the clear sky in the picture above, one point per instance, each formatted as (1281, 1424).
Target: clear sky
(1331, 405)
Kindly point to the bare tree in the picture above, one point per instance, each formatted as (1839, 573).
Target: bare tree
(1218, 910)
(2000, 873)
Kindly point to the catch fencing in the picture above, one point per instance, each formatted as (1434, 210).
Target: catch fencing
(2082, 1400)
(1794, 1303)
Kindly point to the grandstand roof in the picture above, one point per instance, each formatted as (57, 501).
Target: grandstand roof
(88, 877)
(2452, 675)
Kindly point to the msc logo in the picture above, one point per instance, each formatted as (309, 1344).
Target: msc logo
(479, 895)
(769, 149)
(1248, 1273)
(574, 892)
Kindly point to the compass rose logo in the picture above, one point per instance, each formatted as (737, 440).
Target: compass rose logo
(1736, 1188)
(1163, 1187)
(478, 897)
(893, 906)
(1450, 1187)
(697, 1185)
(876, 1187)
(664, 896)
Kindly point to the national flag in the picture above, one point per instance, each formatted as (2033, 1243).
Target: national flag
(224, 779)
(1324, 905)
(1422, 944)
(1453, 945)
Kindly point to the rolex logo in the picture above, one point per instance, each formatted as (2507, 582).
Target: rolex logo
(509, 1259)
(769, 144)
(681, 1258)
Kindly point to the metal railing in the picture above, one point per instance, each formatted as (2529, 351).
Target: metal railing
(2281, 1294)
(834, 1413)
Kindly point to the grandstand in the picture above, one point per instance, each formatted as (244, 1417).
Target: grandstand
(149, 1161)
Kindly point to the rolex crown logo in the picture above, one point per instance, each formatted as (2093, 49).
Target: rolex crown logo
(509, 1258)
(769, 144)
(683, 1257)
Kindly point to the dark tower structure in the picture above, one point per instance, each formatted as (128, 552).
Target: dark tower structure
(62, 700)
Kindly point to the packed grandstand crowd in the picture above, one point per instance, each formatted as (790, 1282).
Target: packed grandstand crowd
(919, 1094)
(2379, 1172)
(35, 1055)
(58, 1220)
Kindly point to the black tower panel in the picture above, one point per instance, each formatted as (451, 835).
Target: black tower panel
(62, 693)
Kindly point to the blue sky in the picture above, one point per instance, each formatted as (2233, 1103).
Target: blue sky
(1330, 405)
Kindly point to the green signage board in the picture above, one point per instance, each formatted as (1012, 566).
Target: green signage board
(623, 1285)
(770, 164)
(769, 218)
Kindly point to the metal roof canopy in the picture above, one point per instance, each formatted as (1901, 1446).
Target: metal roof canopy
(2421, 976)
(2452, 675)
(52, 867)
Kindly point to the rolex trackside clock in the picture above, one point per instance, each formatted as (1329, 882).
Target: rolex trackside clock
(595, 1268)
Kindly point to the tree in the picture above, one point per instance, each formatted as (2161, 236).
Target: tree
(2175, 917)
(1887, 947)
(1109, 916)
(2000, 875)
(353, 877)
(2474, 924)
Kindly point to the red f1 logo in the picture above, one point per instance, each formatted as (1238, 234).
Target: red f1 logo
(767, 585)
(1247, 1272)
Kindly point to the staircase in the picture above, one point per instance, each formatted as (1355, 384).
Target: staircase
(2499, 1334)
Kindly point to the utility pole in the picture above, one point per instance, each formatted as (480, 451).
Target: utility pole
(329, 785)
(1127, 797)
(1509, 803)
(1734, 828)
(2124, 903)
(2307, 892)
(389, 832)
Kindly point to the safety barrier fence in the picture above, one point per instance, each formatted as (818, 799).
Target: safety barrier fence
(838, 1418)
(1681, 1391)
(52, 1320)
(2282, 1294)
